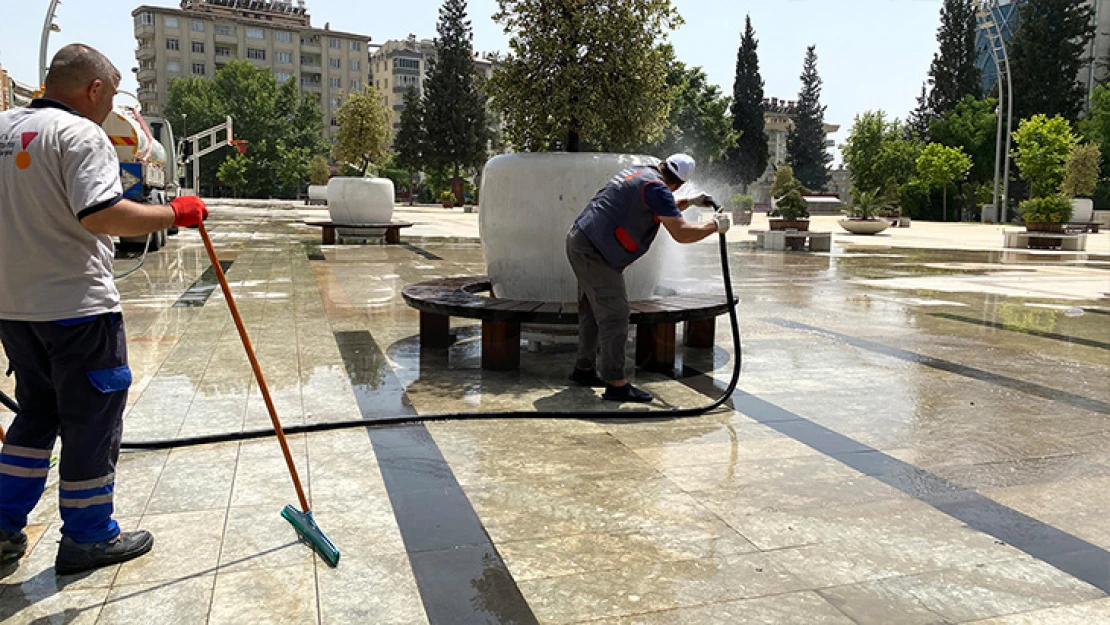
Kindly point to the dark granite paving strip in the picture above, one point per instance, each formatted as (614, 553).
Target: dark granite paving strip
(1044, 392)
(1097, 311)
(1046, 335)
(1068, 553)
(421, 251)
(197, 295)
(461, 576)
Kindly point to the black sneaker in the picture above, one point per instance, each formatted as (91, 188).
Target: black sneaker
(626, 393)
(12, 545)
(587, 377)
(76, 557)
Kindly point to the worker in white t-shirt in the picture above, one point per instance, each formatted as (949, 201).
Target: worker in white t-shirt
(60, 315)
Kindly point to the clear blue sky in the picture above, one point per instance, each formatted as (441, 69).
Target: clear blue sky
(872, 54)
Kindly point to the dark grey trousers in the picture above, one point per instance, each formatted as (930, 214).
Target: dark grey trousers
(603, 310)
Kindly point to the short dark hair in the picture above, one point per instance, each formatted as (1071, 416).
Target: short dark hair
(77, 65)
(669, 176)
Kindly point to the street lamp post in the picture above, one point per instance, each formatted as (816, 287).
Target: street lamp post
(988, 10)
(47, 27)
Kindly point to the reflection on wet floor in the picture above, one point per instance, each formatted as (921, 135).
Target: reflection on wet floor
(920, 437)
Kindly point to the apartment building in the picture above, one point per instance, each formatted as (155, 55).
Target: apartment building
(401, 64)
(203, 35)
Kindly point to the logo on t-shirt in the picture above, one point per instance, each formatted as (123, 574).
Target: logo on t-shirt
(23, 159)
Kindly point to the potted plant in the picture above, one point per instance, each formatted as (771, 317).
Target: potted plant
(742, 206)
(1080, 179)
(790, 210)
(862, 213)
(1046, 214)
(447, 199)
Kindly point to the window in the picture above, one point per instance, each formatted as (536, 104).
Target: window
(284, 57)
(334, 122)
(173, 44)
(356, 46)
(256, 54)
(170, 22)
(223, 29)
(356, 85)
(223, 51)
(310, 41)
(387, 84)
(255, 33)
(335, 63)
(198, 47)
(198, 69)
(144, 18)
(356, 65)
(336, 102)
(336, 83)
(333, 43)
(283, 36)
(282, 76)
(173, 67)
(197, 26)
(310, 60)
(406, 64)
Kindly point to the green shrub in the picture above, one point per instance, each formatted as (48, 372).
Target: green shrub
(446, 196)
(1081, 171)
(741, 201)
(791, 206)
(866, 204)
(1051, 209)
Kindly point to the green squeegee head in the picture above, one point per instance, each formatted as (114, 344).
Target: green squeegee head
(307, 528)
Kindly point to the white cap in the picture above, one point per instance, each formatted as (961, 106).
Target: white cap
(682, 165)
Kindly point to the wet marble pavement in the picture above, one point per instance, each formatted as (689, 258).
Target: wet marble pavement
(920, 436)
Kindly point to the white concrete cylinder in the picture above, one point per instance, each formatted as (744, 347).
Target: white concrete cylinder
(360, 200)
(318, 192)
(1082, 209)
(529, 202)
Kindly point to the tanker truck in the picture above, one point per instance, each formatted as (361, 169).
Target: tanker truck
(146, 165)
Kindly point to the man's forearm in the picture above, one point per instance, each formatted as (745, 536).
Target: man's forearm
(129, 219)
(692, 233)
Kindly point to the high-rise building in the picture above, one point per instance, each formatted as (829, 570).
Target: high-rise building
(1005, 17)
(401, 64)
(203, 35)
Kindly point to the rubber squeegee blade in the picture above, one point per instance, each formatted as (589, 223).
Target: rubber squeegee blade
(309, 531)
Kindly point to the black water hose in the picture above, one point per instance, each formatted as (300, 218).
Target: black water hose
(471, 416)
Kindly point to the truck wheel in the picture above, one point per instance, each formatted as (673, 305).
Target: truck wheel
(172, 230)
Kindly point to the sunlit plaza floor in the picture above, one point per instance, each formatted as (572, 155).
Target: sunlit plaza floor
(920, 436)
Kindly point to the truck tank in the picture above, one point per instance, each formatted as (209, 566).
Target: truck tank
(139, 154)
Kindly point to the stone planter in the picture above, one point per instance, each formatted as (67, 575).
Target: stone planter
(1082, 210)
(801, 225)
(529, 202)
(864, 226)
(360, 200)
(317, 194)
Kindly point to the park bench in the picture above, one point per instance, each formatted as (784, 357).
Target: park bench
(392, 230)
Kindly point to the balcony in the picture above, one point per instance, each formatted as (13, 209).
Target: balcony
(144, 31)
(144, 52)
(147, 94)
(147, 75)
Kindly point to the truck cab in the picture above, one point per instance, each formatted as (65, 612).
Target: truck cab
(147, 164)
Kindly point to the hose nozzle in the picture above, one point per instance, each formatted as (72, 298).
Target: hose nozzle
(715, 206)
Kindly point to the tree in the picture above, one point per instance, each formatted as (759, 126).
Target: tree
(364, 127)
(454, 110)
(1043, 146)
(953, 73)
(233, 172)
(863, 148)
(917, 124)
(408, 144)
(940, 166)
(972, 127)
(1046, 54)
(747, 161)
(1081, 171)
(805, 144)
(577, 74)
(698, 123)
(318, 170)
(1096, 129)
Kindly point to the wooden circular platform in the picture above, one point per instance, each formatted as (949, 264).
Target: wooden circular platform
(655, 319)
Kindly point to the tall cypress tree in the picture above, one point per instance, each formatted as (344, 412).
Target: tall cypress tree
(917, 124)
(408, 144)
(747, 160)
(454, 109)
(953, 73)
(805, 145)
(1046, 55)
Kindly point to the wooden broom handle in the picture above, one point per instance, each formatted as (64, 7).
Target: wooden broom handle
(254, 365)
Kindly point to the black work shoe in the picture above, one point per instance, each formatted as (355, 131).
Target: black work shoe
(587, 377)
(76, 557)
(626, 393)
(12, 545)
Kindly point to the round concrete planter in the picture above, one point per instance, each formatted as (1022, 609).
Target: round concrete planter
(864, 226)
(1082, 210)
(529, 202)
(318, 193)
(360, 200)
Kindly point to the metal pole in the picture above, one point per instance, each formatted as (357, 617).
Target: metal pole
(997, 163)
(196, 168)
(47, 27)
(1009, 129)
(986, 21)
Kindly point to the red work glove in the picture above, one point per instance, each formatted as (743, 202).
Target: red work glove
(188, 211)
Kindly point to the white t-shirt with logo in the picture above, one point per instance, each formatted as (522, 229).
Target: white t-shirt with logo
(55, 168)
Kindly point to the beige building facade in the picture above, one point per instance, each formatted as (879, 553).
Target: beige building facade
(401, 64)
(778, 119)
(203, 35)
